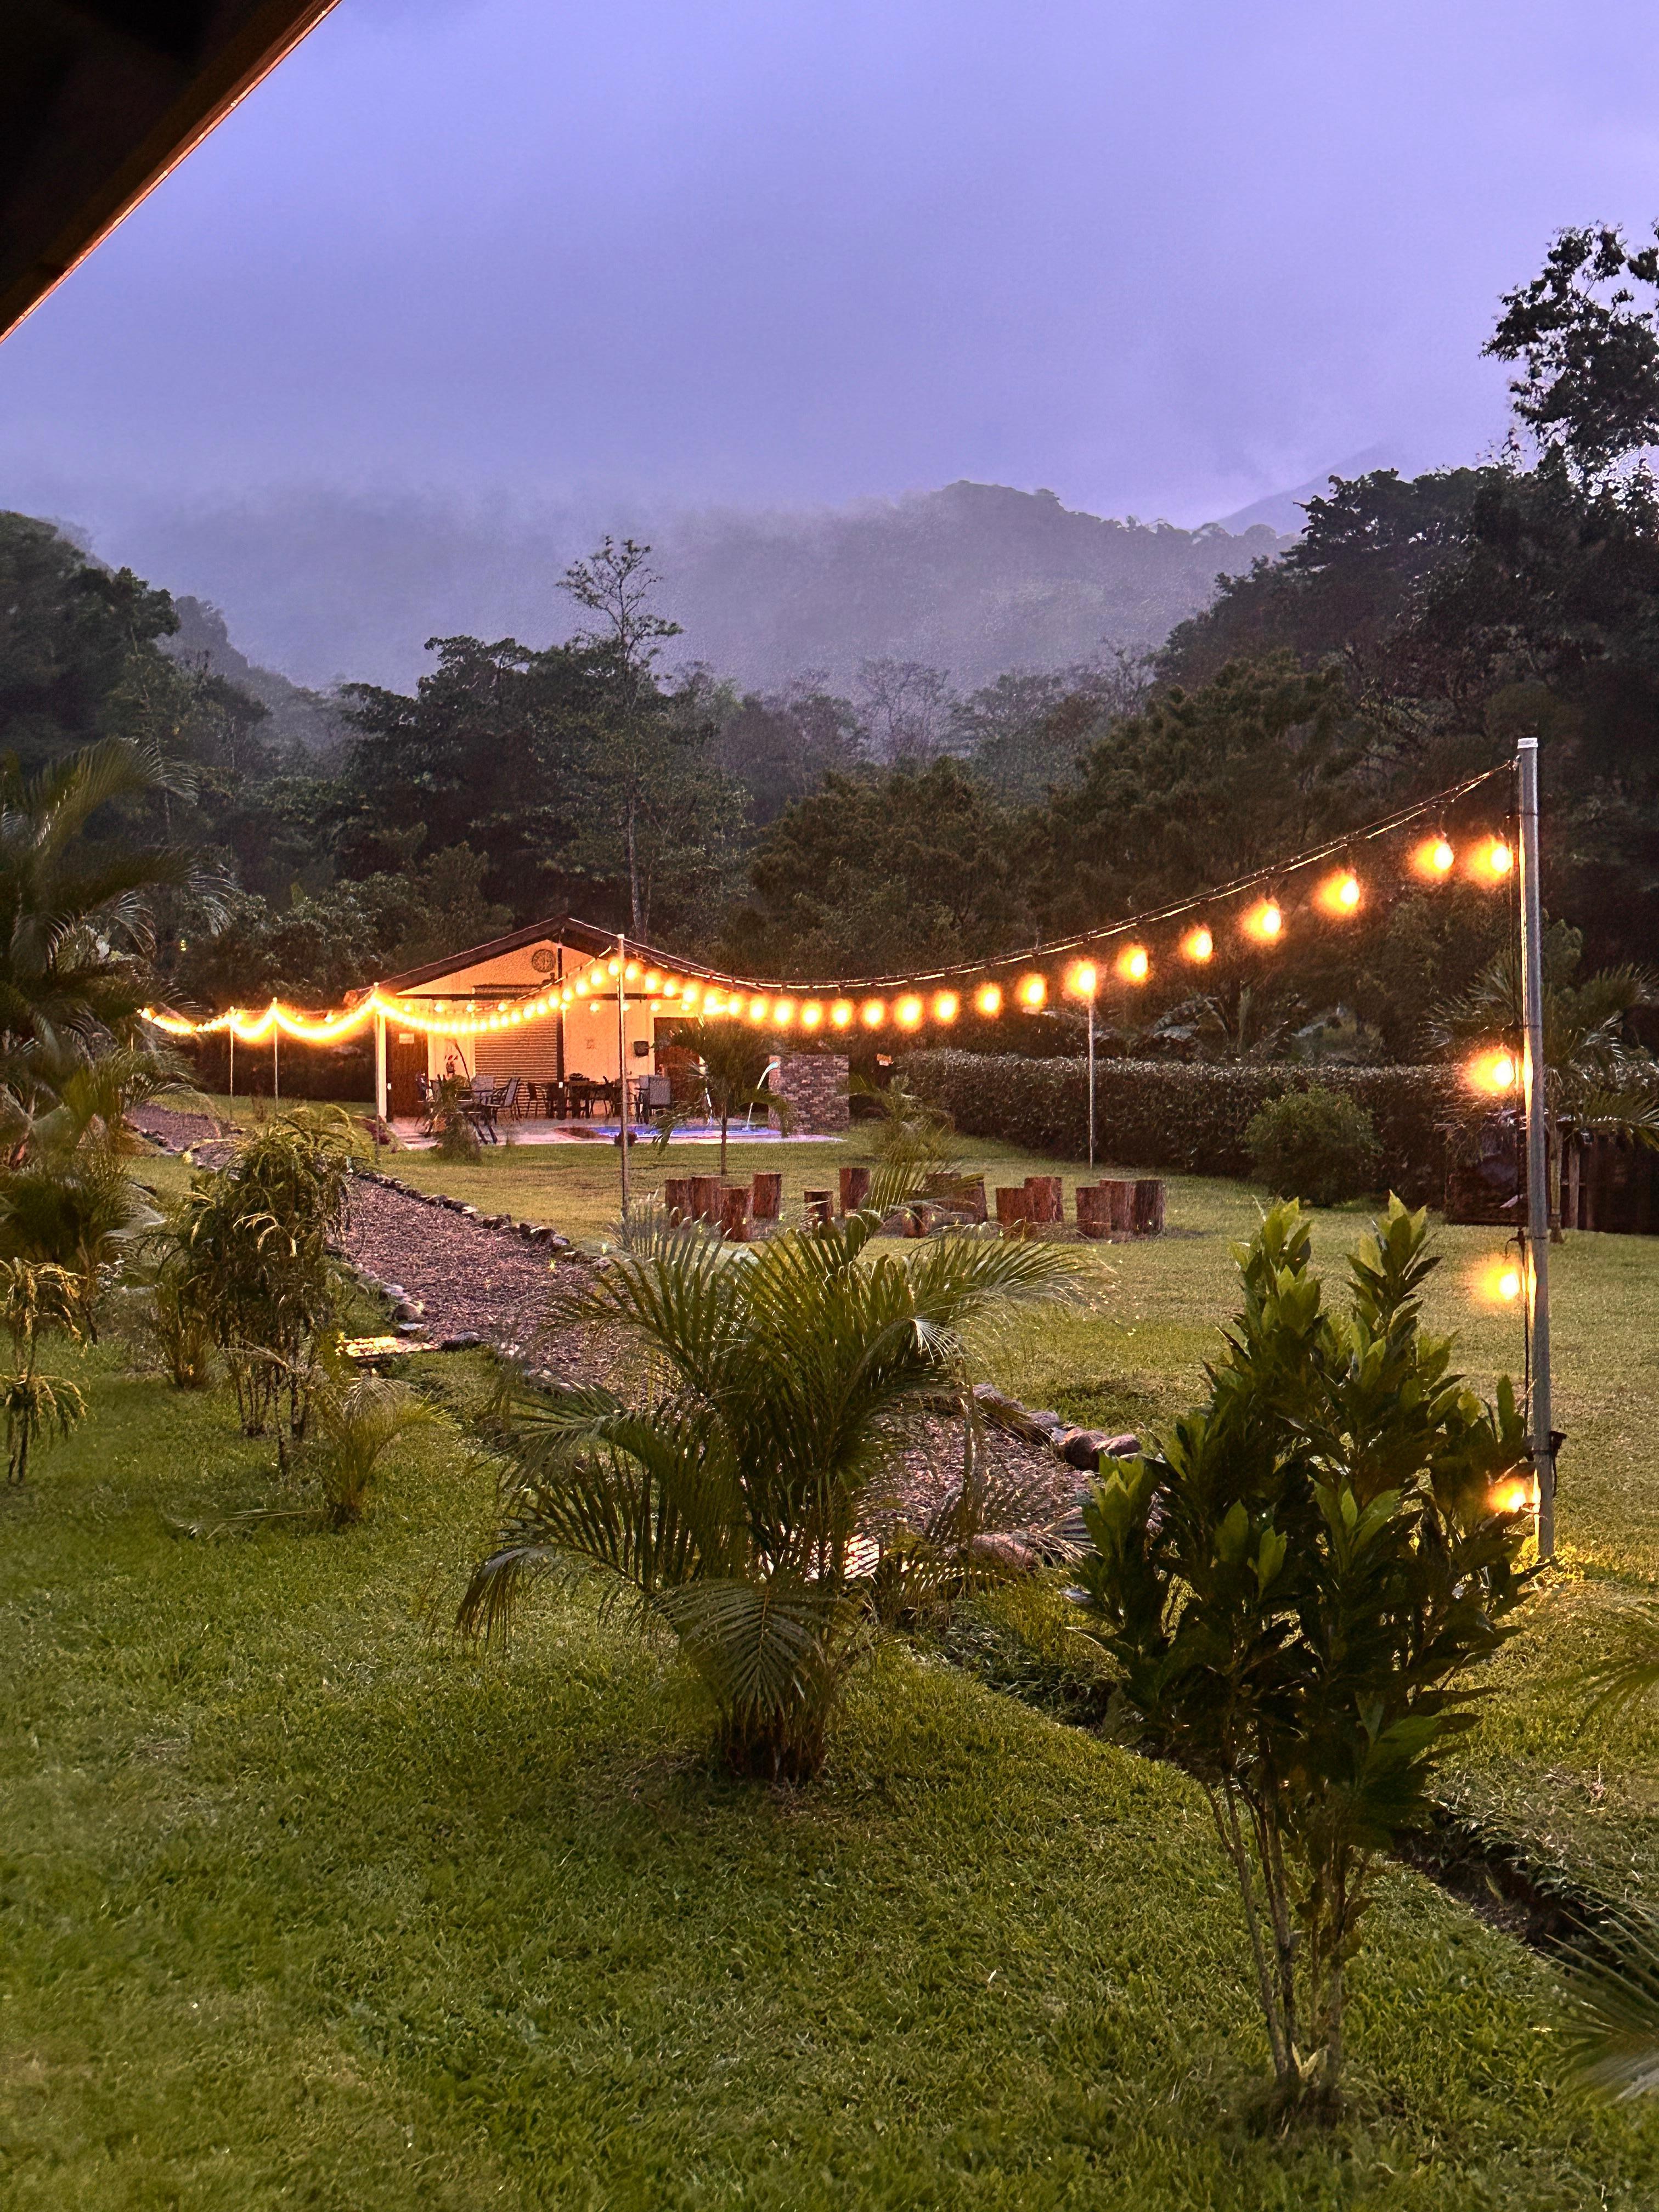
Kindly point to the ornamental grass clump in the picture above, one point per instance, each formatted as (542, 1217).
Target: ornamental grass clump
(1297, 1583)
(247, 1254)
(730, 1497)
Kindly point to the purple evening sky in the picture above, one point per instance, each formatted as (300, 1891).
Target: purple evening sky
(1161, 258)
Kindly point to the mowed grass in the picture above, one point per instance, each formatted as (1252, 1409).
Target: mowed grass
(1132, 1357)
(306, 1905)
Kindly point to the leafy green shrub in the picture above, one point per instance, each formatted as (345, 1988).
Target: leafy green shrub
(248, 1254)
(1296, 1583)
(1314, 1145)
(1187, 1117)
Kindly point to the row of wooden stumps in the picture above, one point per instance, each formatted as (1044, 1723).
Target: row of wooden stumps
(1116, 1207)
(732, 1207)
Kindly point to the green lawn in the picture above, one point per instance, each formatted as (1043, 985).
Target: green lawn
(1133, 1357)
(304, 1906)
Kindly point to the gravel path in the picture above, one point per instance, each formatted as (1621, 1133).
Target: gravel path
(483, 1284)
(174, 1130)
(470, 1280)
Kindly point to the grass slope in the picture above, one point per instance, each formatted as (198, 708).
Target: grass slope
(1133, 1358)
(304, 1906)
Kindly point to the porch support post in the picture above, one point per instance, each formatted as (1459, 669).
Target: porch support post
(381, 1100)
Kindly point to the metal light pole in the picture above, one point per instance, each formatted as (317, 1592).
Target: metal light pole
(622, 1061)
(381, 1099)
(1535, 1078)
(1092, 1081)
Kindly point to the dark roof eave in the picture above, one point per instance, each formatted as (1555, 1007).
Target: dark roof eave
(562, 929)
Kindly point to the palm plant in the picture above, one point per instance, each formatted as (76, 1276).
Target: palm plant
(36, 1301)
(75, 908)
(1596, 1078)
(1613, 2040)
(359, 1418)
(731, 1063)
(733, 1501)
(68, 1195)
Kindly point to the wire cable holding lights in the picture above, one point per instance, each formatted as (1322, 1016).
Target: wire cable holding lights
(701, 990)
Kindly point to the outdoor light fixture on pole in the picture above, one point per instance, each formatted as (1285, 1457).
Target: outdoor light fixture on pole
(622, 1062)
(1535, 1078)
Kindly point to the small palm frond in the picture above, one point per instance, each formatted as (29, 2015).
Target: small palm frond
(1632, 1673)
(1612, 2042)
(763, 1644)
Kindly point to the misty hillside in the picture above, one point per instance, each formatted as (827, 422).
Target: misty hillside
(974, 579)
(297, 715)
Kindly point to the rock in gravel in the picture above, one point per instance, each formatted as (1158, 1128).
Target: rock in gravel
(1081, 1448)
(1123, 1447)
(465, 1339)
(411, 1329)
(395, 1291)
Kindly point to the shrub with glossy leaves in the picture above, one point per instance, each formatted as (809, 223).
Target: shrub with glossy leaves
(1297, 1582)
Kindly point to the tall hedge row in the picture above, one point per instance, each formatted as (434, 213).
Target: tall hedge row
(1191, 1118)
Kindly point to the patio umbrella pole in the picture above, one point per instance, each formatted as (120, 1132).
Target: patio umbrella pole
(622, 1062)
(231, 1034)
(1536, 1077)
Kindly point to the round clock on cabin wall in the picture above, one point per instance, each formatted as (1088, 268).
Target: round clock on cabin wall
(544, 961)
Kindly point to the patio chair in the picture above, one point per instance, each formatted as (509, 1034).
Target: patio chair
(509, 1102)
(480, 1110)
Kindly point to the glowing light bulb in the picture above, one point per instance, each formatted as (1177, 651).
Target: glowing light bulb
(691, 996)
(842, 1012)
(581, 987)
(670, 989)
(1032, 990)
(987, 1000)
(1134, 963)
(1493, 1071)
(1197, 944)
(1443, 856)
(1513, 1494)
(1509, 1285)
(946, 1005)
(908, 1011)
(873, 1014)
(1266, 922)
(613, 967)
(629, 972)
(758, 1009)
(1497, 859)
(1082, 979)
(784, 1012)
(811, 1015)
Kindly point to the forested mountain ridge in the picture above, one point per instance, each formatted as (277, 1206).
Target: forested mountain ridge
(973, 578)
